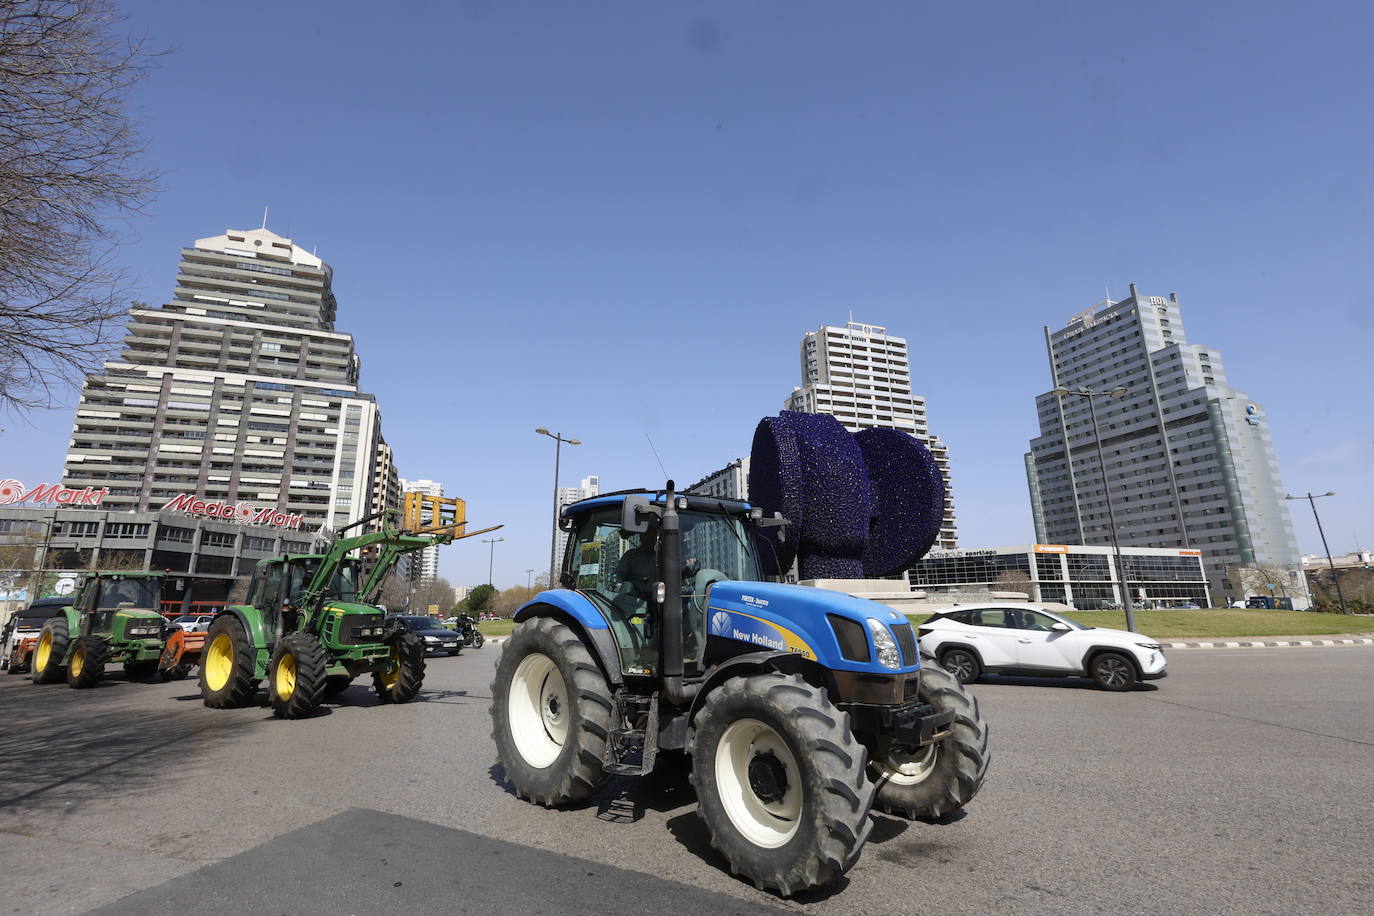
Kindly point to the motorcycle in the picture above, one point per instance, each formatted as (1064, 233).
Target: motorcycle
(467, 629)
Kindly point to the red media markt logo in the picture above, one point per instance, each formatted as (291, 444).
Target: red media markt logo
(12, 491)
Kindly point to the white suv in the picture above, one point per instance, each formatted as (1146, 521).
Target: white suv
(976, 639)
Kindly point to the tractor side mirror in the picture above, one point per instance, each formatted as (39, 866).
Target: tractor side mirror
(567, 579)
(634, 512)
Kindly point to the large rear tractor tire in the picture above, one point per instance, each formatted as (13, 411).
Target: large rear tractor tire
(228, 666)
(400, 683)
(47, 667)
(940, 778)
(296, 678)
(781, 782)
(551, 712)
(87, 665)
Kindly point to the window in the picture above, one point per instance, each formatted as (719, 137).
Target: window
(176, 535)
(126, 530)
(259, 544)
(216, 539)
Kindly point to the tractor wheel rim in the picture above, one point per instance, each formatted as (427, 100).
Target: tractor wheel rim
(768, 823)
(219, 662)
(78, 662)
(905, 768)
(42, 653)
(286, 677)
(392, 676)
(538, 710)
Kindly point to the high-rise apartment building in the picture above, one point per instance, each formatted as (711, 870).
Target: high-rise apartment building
(1189, 461)
(236, 397)
(861, 375)
(424, 563)
(589, 487)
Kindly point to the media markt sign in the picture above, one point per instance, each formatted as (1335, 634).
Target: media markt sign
(13, 493)
(234, 512)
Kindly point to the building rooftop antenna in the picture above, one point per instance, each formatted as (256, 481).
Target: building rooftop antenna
(264, 217)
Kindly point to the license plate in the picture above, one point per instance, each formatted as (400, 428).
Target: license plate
(450, 645)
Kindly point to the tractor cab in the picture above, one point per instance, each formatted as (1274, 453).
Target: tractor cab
(280, 583)
(617, 559)
(105, 595)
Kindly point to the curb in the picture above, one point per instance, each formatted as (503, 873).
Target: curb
(1270, 643)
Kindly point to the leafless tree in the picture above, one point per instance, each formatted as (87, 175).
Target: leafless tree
(438, 593)
(1013, 580)
(68, 171)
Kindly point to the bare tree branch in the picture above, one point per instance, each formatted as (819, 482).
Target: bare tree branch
(68, 168)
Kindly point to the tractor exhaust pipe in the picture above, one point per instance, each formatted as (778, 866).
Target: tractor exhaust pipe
(670, 609)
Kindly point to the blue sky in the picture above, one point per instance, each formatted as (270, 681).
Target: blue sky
(617, 219)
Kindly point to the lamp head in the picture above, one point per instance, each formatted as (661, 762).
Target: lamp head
(1118, 392)
(542, 431)
(574, 441)
(1060, 392)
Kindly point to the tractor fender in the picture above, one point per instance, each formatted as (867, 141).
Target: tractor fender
(754, 663)
(580, 614)
(253, 624)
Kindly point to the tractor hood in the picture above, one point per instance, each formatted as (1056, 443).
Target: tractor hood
(793, 618)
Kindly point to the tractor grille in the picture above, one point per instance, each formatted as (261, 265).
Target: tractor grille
(906, 640)
(351, 625)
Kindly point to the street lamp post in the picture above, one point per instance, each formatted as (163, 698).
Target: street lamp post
(1312, 501)
(492, 559)
(1088, 394)
(528, 573)
(557, 449)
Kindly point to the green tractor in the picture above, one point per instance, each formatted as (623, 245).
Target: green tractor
(798, 709)
(310, 625)
(114, 618)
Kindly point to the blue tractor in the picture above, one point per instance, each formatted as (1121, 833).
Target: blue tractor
(798, 709)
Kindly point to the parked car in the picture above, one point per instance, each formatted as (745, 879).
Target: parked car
(972, 640)
(193, 623)
(437, 639)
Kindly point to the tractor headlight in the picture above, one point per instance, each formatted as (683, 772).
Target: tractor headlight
(888, 656)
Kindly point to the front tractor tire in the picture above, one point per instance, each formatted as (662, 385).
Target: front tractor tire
(47, 667)
(405, 671)
(228, 667)
(781, 782)
(551, 714)
(87, 665)
(296, 676)
(938, 779)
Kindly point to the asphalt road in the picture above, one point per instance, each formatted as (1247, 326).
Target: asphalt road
(1244, 781)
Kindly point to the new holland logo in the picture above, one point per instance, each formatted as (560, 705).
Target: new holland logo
(720, 623)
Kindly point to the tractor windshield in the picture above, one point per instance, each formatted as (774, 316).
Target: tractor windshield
(343, 587)
(715, 547)
(139, 593)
